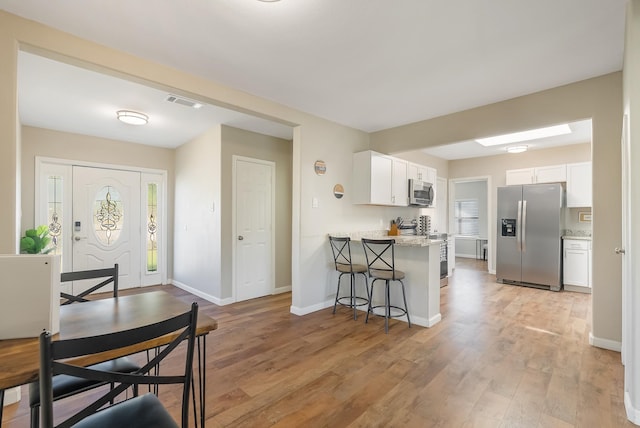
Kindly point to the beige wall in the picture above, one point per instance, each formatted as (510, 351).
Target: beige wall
(63, 145)
(249, 144)
(196, 249)
(600, 99)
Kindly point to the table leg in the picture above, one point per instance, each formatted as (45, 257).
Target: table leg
(1, 404)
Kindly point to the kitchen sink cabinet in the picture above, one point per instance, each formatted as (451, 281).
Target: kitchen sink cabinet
(577, 265)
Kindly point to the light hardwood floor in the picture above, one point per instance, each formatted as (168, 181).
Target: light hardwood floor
(503, 356)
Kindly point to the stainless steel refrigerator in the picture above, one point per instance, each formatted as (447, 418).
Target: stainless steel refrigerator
(530, 222)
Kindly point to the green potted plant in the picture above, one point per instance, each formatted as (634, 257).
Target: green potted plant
(35, 241)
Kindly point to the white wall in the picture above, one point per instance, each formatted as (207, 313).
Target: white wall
(197, 216)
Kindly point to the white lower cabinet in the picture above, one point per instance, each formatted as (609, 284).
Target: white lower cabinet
(577, 265)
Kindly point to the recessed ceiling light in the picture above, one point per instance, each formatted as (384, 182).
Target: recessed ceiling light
(132, 117)
(517, 149)
(532, 134)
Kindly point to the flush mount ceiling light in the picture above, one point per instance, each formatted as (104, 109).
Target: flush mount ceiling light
(517, 149)
(132, 117)
(532, 134)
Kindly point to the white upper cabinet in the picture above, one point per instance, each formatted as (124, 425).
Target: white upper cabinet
(551, 174)
(579, 182)
(422, 173)
(379, 179)
(399, 183)
(544, 174)
(520, 176)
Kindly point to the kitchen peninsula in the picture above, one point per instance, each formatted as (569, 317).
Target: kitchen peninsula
(419, 258)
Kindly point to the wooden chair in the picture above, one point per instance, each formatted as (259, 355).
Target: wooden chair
(67, 386)
(341, 249)
(56, 358)
(381, 265)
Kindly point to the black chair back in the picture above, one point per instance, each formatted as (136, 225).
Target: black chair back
(380, 256)
(55, 357)
(111, 275)
(341, 249)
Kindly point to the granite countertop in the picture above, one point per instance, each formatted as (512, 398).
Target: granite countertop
(401, 240)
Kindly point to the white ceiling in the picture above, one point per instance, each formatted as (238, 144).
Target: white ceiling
(368, 64)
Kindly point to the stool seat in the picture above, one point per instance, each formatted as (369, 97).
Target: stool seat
(386, 274)
(355, 268)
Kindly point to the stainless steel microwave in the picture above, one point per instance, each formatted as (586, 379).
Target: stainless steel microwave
(420, 193)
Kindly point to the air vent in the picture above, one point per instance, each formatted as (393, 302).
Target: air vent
(183, 101)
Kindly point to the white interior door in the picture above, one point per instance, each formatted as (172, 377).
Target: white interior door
(106, 223)
(253, 194)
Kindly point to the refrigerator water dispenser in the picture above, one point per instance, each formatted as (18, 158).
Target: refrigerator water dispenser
(508, 227)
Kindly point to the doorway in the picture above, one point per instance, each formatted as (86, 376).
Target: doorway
(99, 215)
(469, 219)
(253, 199)
(106, 223)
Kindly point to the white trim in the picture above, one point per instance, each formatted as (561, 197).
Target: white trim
(234, 275)
(633, 414)
(611, 345)
(280, 290)
(310, 309)
(208, 297)
(11, 396)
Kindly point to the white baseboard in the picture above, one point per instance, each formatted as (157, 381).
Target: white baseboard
(309, 309)
(633, 414)
(209, 298)
(611, 345)
(11, 395)
(466, 256)
(280, 290)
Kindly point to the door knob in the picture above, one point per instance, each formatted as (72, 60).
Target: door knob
(619, 250)
(240, 237)
(78, 238)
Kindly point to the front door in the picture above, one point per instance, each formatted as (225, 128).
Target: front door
(106, 223)
(254, 259)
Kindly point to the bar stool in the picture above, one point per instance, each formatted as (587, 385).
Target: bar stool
(341, 249)
(380, 256)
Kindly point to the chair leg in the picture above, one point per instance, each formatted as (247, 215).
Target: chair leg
(35, 416)
(387, 308)
(353, 295)
(406, 308)
(337, 294)
(369, 309)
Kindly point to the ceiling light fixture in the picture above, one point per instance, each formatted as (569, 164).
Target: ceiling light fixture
(132, 117)
(532, 134)
(517, 149)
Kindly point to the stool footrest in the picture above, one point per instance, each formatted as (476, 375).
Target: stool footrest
(400, 312)
(347, 301)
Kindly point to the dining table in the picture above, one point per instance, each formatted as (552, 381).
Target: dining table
(20, 360)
